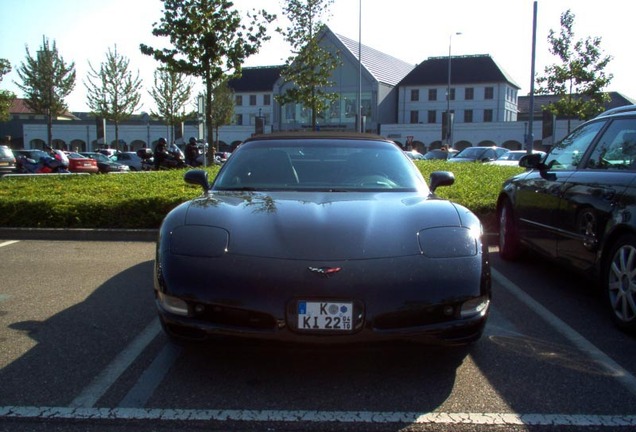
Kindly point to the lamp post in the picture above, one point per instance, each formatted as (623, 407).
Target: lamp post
(449, 123)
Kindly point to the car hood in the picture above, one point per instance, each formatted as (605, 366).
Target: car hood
(319, 226)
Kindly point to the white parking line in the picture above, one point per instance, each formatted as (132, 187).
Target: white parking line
(614, 369)
(300, 416)
(7, 243)
(96, 389)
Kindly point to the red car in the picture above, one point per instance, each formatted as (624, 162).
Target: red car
(81, 164)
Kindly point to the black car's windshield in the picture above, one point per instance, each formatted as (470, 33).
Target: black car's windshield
(319, 164)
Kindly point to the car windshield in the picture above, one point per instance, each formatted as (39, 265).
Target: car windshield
(470, 152)
(319, 164)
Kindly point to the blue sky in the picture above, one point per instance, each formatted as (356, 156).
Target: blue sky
(411, 30)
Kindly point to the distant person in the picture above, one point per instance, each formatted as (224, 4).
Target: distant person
(191, 152)
(161, 153)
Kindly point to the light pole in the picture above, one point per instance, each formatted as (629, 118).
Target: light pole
(449, 123)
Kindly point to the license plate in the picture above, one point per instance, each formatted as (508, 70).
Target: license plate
(330, 316)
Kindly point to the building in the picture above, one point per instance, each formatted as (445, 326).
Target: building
(404, 102)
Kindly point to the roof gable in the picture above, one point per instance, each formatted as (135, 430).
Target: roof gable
(256, 79)
(477, 69)
(384, 68)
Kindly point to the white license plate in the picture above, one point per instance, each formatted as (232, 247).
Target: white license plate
(332, 316)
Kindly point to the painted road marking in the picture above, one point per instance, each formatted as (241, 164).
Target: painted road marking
(614, 369)
(7, 243)
(299, 416)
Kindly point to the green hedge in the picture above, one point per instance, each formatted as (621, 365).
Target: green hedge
(142, 199)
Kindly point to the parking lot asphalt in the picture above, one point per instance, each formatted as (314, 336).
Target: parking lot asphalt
(88, 234)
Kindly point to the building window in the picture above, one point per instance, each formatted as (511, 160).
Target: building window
(267, 100)
(468, 116)
(469, 93)
(432, 116)
(452, 94)
(239, 119)
(415, 117)
(252, 100)
(489, 93)
(487, 116)
(415, 95)
(239, 100)
(432, 94)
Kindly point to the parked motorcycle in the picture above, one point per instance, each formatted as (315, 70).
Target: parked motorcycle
(56, 163)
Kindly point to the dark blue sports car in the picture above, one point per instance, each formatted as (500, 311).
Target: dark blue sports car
(322, 238)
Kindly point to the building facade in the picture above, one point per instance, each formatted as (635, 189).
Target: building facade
(404, 102)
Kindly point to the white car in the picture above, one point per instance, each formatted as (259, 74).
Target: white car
(512, 157)
(131, 159)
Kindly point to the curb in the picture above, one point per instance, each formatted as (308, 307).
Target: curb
(86, 234)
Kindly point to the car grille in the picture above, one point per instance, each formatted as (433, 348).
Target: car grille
(413, 318)
(234, 317)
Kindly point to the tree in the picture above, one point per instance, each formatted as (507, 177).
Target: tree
(46, 80)
(113, 92)
(6, 97)
(222, 108)
(310, 67)
(580, 77)
(208, 41)
(171, 92)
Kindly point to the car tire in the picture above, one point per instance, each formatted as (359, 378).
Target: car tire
(509, 244)
(620, 283)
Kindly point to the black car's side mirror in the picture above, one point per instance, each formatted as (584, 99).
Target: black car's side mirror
(531, 161)
(440, 178)
(197, 177)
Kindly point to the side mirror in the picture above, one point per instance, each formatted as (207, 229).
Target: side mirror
(440, 178)
(197, 177)
(531, 161)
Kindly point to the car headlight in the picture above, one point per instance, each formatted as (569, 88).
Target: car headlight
(199, 241)
(172, 304)
(448, 242)
(475, 307)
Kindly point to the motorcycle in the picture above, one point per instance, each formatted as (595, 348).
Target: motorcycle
(57, 163)
(174, 159)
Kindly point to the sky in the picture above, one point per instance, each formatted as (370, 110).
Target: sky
(410, 30)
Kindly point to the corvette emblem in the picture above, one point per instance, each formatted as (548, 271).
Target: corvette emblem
(325, 271)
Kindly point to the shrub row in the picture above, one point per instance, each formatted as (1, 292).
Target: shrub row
(141, 200)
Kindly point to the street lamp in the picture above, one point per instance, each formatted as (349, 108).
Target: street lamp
(449, 123)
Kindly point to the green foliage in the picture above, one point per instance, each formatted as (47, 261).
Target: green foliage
(141, 200)
(311, 66)
(46, 81)
(208, 40)
(113, 92)
(171, 92)
(6, 97)
(580, 78)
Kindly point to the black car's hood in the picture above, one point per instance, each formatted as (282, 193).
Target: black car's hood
(321, 226)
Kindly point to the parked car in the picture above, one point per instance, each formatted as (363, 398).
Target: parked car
(414, 154)
(132, 159)
(512, 157)
(7, 160)
(577, 206)
(222, 156)
(439, 154)
(344, 242)
(105, 164)
(78, 163)
(479, 154)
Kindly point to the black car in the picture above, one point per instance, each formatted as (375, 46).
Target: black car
(577, 206)
(105, 164)
(322, 238)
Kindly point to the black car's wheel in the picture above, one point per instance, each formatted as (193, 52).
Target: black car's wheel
(620, 282)
(509, 245)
